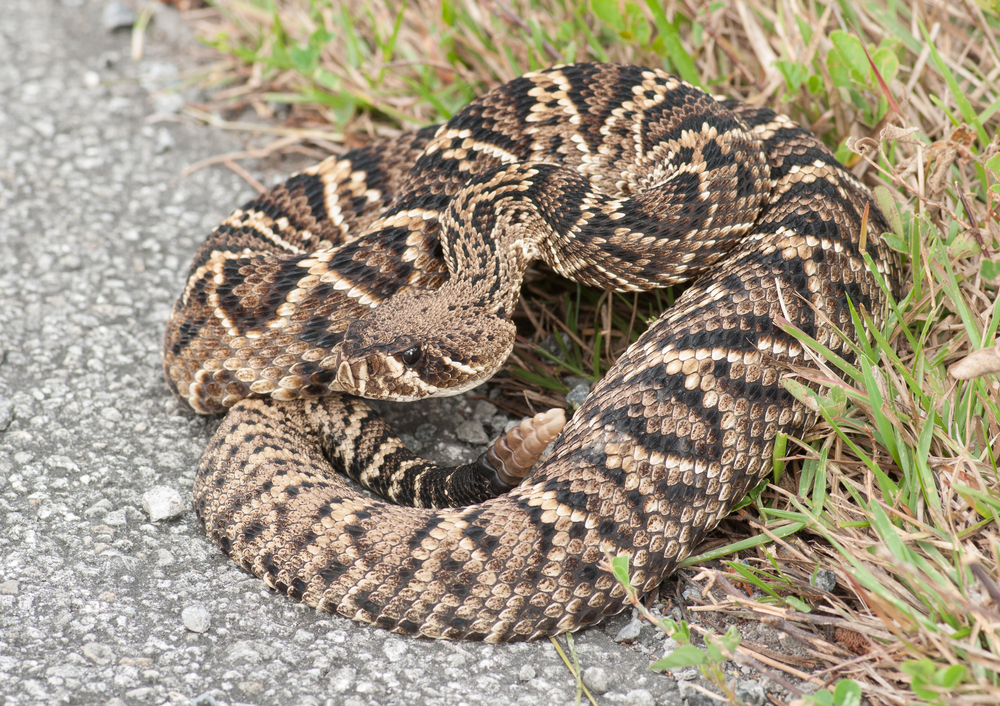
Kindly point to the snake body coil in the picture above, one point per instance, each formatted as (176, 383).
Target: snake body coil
(392, 272)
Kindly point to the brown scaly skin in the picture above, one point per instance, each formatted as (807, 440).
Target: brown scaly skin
(680, 428)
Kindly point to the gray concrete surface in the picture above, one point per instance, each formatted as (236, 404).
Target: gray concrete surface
(98, 604)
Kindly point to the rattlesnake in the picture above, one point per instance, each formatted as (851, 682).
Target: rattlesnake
(618, 177)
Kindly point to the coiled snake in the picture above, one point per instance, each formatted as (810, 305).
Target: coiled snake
(393, 271)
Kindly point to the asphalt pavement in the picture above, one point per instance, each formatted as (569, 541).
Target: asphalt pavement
(99, 603)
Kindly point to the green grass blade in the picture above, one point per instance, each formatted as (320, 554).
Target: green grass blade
(742, 545)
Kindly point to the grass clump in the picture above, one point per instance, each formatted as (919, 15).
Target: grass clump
(894, 494)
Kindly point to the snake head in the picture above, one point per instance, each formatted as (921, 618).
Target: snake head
(422, 344)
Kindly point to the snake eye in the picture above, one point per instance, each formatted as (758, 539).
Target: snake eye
(411, 355)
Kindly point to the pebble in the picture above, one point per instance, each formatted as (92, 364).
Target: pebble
(98, 653)
(629, 633)
(394, 649)
(596, 679)
(453, 453)
(98, 508)
(824, 580)
(789, 642)
(411, 443)
(342, 679)
(694, 697)
(109, 58)
(692, 594)
(116, 518)
(639, 697)
(526, 674)
(157, 75)
(483, 410)
(244, 651)
(577, 395)
(162, 503)
(472, 432)
(425, 432)
(91, 79)
(196, 618)
(251, 688)
(117, 15)
(164, 141)
(63, 462)
(498, 424)
(9, 588)
(70, 262)
(168, 103)
(751, 693)
(551, 345)
(686, 674)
